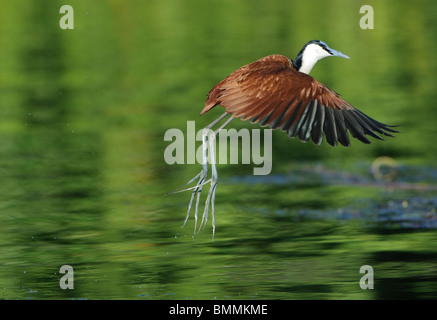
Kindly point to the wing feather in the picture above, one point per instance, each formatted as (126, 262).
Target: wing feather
(271, 92)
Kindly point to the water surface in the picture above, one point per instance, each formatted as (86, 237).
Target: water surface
(83, 114)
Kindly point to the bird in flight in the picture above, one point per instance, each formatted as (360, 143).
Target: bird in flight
(278, 92)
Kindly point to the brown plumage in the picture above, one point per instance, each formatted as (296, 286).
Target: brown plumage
(270, 91)
(278, 92)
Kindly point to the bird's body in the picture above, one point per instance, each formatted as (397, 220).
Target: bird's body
(271, 91)
(279, 92)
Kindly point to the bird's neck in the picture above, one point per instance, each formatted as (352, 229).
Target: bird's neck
(308, 56)
(304, 64)
(307, 66)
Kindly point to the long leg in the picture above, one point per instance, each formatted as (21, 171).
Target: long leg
(202, 175)
(214, 180)
(208, 137)
(204, 155)
(211, 141)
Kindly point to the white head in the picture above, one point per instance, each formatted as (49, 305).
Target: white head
(312, 52)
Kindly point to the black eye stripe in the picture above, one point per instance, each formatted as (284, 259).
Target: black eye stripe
(324, 47)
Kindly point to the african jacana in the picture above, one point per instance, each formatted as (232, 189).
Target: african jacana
(278, 92)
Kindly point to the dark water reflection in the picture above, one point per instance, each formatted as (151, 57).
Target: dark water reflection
(83, 181)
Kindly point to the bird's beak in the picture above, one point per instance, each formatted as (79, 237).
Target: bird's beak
(338, 54)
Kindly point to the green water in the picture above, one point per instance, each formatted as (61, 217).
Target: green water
(83, 114)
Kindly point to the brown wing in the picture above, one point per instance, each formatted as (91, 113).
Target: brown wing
(271, 92)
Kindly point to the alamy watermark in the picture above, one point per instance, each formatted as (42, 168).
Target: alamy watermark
(366, 21)
(254, 148)
(67, 20)
(366, 281)
(67, 280)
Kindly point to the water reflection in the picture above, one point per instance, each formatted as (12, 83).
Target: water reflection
(83, 115)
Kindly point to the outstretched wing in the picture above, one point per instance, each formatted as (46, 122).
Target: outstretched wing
(271, 92)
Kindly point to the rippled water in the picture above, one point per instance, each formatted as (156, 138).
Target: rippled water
(83, 114)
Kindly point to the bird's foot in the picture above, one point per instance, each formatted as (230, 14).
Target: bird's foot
(210, 199)
(201, 178)
(208, 142)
